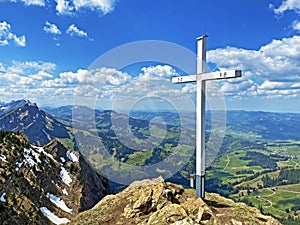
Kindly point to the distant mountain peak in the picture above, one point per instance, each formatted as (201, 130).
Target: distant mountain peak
(6, 107)
(28, 118)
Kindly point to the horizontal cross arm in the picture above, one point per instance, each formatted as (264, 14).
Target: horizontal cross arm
(184, 79)
(208, 76)
(220, 75)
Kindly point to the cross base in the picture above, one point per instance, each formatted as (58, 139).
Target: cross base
(200, 189)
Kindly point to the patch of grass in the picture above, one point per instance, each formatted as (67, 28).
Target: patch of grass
(139, 158)
(293, 188)
(282, 200)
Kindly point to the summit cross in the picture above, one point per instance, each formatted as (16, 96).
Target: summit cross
(201, 77)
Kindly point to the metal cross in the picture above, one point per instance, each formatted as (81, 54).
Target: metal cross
(201, 77)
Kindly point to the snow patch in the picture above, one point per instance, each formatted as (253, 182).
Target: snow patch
(19, 165)
(72, 156)
(59, 202)
(65, 177)
(52, 217)
(41, 150)
(65, 192)
(24, 114)
(3, 158)
(62, 159)
(48, 135)
(2, 198)
(31, 157)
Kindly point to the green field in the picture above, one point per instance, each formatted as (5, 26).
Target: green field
(244, 175)
(277, 201)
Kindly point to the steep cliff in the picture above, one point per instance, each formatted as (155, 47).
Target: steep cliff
(44, 185)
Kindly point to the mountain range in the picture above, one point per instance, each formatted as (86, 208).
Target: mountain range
(49, 165)
(109, 141)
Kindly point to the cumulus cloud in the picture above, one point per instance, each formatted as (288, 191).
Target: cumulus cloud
(72, 7)
(162, 71)
(7, 37)
(51, 28)
(270, 72)
(100, 79)
(28, 67)
(28, 2)
(33, 80)
(69, 7)
(34, 2)
(296, 25)
(75, 31)
(105, 6)
(64, 7)
(287, 5)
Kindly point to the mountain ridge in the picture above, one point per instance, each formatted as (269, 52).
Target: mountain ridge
(36, 124)
(45, 185)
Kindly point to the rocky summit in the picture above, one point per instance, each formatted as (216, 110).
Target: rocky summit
(44, 185)
(156, 202)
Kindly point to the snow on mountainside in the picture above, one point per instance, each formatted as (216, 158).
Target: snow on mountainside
(37, 187)
(6, 107)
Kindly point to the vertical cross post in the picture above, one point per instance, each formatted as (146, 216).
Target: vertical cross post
(200, 118)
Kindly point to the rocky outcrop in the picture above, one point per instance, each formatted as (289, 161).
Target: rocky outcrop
(45, 185)
(155, 202)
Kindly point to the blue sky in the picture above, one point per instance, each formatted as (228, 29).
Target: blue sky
(47, 49)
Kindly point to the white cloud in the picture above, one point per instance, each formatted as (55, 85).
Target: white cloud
(29, 67)
(81, 76)
(71, 7)
(35, 80)
(41, 75)
(22, 76)
(278, 59)
(288, 5)
(164, 71)
(270, 72)
(64, 7)
(116, 77)
(296, 25)
(105, 6)
(108, 76)
(7, 37)
(27, 2)
(74, 31)
(2, 68)
(274, 85)
(189, 88)
(51, 28)
(34, 2)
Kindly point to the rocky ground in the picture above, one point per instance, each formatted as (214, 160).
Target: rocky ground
(155, 202)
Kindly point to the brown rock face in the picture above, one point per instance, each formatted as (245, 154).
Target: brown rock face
(155, 202)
